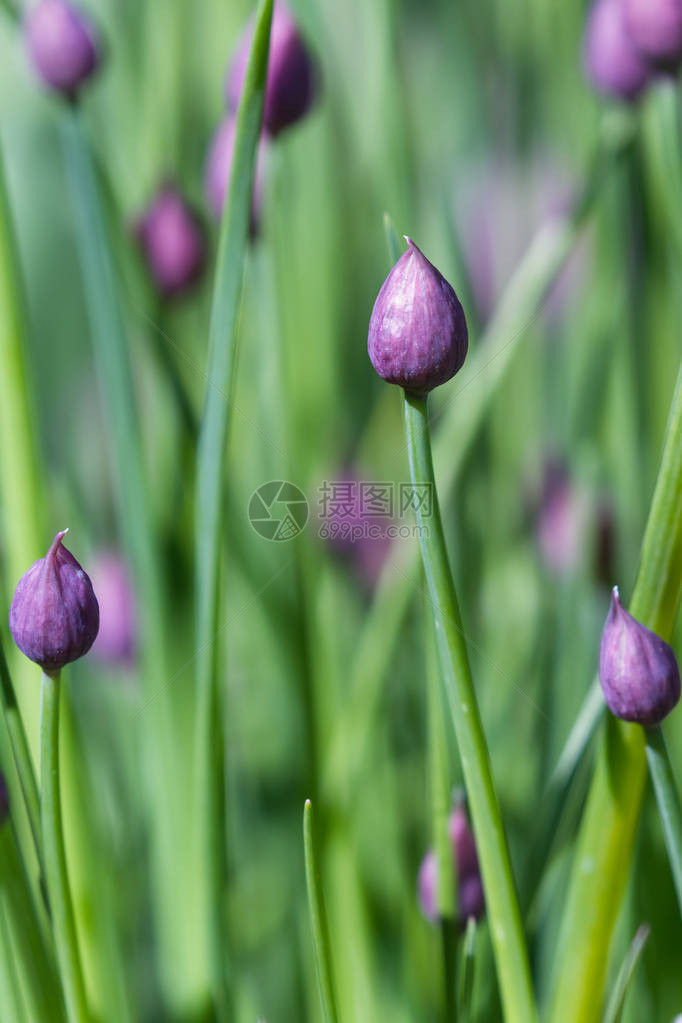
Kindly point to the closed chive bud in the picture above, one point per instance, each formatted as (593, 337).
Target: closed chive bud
(54, 615)
(655, 27)
(62, 45)
(417, 332)
(172, 240)
(470, 897)
(4, 800)
(219, 168)
(613, 64)
(638, 671)
(562, 520)
(116, 642)
(290, 86)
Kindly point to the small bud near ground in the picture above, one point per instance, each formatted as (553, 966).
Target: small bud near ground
(172, 240)
(54, 615)
(219, 169)
(638, 670)
(62, 45)
(290, 87)
(613, 63)
(655, 27)
(116, 642)
(470, 898)
(417, 332)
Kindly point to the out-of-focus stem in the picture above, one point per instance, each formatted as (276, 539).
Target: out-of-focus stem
(498, 881)
(56, 876)
(668, 800)
(318, 919)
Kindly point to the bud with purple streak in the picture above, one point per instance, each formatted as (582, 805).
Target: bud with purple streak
(638, 671)
(613, 63)
(54, 615)
(470, 897)
(62, 45)
(655, 27)
(219, 168)
(116, 641)
(417, 332)
(172, 240)
(290, 87)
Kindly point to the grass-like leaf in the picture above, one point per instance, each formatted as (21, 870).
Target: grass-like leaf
(213, 434)
(318, 919)
(616, 1003)
(668, 800)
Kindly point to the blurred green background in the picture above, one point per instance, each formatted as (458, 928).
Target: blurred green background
(472, 125)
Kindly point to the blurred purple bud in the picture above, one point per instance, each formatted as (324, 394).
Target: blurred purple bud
(471, 901)
(173, 242)
(219, 168)
(54, 615)
(355, 533)
(116, 641)
(290, 86)
(417, 332)
(4, 800)
(561, 520)
(612, 62)
(62, 45)
(655, 27)
(637, 669)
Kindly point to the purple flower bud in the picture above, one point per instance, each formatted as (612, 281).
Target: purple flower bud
(471, 901)
(561, 524)
(62, 45)
(116, 641)
(655, 27)
(637, 669)
(219, 168)
(417, 332)
(54, 615)
(612, 62)
(173, 242)
(290, 86)
(355, 532)
(4, 800)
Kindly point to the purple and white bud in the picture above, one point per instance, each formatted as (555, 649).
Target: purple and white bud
(638, 671)
(62, 45)
(470, 897)
(290, 86)
(54, 615)
(219, 169)
(612, 62)
(172, 240)
(655, 27)
(116, 642)
(417, 332)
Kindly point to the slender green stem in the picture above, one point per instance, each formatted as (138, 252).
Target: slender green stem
(616, 1003)
(56, 876)
(668, 800)
(465, 986)
(448, 938)
(318, 919)
(446, 888)
(213, 438)
(501, 900)
(607, 835)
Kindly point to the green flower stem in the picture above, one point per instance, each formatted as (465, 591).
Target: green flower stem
(22, 755)
(486, 369)
(501, 900)
(38, 973)
(318, 919)
(607, 835)
(213, 436)
(56, 876)
(616, 1003)
(668, 800)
